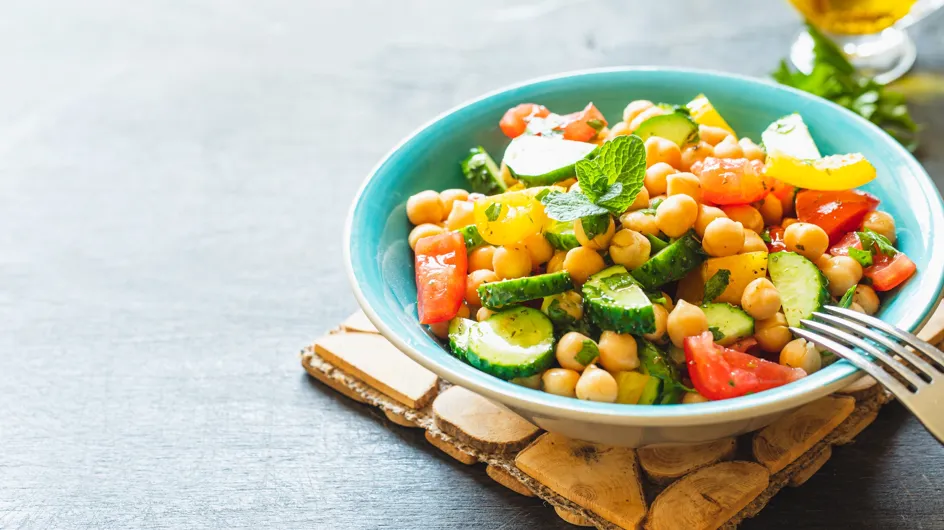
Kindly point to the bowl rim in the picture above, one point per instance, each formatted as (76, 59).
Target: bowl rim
(840, 374)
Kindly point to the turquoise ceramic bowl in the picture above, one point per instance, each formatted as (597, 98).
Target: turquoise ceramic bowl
(380, 263)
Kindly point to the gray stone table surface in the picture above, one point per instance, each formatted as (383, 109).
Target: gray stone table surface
(173, 182)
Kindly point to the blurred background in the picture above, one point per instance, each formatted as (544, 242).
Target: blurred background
(174, 178)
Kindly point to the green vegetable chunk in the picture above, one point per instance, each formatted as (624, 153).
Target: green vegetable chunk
(542, 161)
(482, 173)
(459, 329)
(561, 235)
(848, 297)
(717, 284)
(497, 295)
(613, 300)
(518, 342)
(802, 287)
(471, 236)
(731, 322)
(650, 392)
(672, 264)
(677, 127)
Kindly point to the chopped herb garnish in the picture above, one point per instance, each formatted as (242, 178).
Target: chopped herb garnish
(493, 212)
(873, 241)
(588, 353)
(846, 300)
(864, 257)
(717, 284)
(765, 236)
(597, 125)
(716, 334)
(594, 225)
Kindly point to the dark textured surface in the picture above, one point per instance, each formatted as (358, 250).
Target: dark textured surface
(173, 181)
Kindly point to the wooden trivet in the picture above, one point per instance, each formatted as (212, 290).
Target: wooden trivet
(704, 486)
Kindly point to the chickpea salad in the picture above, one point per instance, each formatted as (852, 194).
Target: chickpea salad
(659, 259)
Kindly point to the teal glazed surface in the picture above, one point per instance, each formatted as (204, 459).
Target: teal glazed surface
(380, 262)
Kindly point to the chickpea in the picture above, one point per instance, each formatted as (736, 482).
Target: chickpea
(882, 223)
(596, 384)
(656, 180)
(806, 239)
(787, 221)
(634, 108)
(599, 241)
(641, 118)
(449, 197)
(440, 329)
(822, 262)
(798, 353)
(481, 258)
(751, 150)
(865, 296)
(570, 302)
(842, 272)
(581, 263)
(539, 248)
(712, 135)
(475, 197)
(857, 308)
(423, 230)
(676, 215)
(747, 215)
(695, 153)
(641, 201)
(684, 321)
(511, 262)
(567, 349)
(556, 263)
(753, 243)
(693, 397)
(425, 207)
(760, 299)
(483, 313)
(771, 209)
(662, 318)
(620, 129)
(630, 249)
(618, 352)
(474, 281)
(723, 237)
(461, 215)
(464, 311)
(640, 222)
(662, 150)
(560, 381)
(729, 148)
(772, 334)
(684, 184)
(707, 214)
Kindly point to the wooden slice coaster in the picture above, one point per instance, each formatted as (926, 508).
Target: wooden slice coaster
(572, 517)
(816, 463)
(360, 323)
(854, 425)
(399, 419)
(504, 478)
(600, 478)
(665, 464)
(478, 422)
(329, 381)
(373, 360)
(707, 498)
(451, 450)
(783, 441)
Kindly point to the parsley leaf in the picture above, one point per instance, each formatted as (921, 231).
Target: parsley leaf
(872, 240)
(765, 236)
(833, 77)
(717, 284)
(597, 125)
(716, 334)
(493, 212)
(594, 225)
(846, 300)
(588, 353)
(864, 257)
(571, 206)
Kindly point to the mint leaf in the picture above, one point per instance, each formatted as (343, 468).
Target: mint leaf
(588, 353)
(623, 160)
(594, 225)
(864, 257)
(872, 241)
(592, 179)
(716, 285)
(493, 212)
(846, 300)
(562, 206)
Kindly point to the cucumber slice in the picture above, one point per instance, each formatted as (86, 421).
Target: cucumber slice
(560, 234)
(656, 363)
(731, 321)
(655, 244)
(542, 161)
(459, 329)
(518, 342)
(790, 137)
(650, 392)
(497, 295)
(613, 300)
(672, 263)
(630, 386)
(473, 239)
(677, 127)
(564, 309)
(803, 288)
(482, 173)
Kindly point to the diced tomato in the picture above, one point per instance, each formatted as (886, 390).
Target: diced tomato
(441, 268)
(850, 240)
(836, 212)
(576, 127)
(516, 119)
(782, 190)
(731, 181)
(887, 273)
(722, 373)
(744, 344)
(776, 239)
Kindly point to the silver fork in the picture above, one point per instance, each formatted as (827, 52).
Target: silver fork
(921, 383)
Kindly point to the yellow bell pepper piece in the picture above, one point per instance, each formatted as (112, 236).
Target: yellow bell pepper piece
(744, 268)
(704, 113)
(510, 217)
(836, 172)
